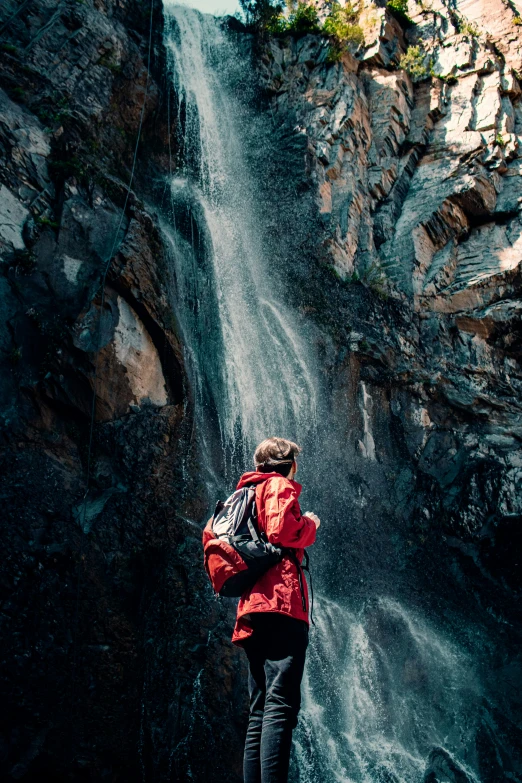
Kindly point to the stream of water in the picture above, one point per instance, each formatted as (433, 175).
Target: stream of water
(249, 362)
(383, 687)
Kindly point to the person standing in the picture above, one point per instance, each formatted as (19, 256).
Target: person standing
(273, 617)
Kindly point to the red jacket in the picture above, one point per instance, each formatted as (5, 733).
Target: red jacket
(279, 517)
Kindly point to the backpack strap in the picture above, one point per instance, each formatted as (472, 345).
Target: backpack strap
(252, 528)
(253, 531)
(306, 567)
(300, 568)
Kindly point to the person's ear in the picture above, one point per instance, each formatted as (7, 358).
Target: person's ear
(294, 466)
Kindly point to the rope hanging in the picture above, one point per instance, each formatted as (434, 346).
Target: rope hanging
(92, 418)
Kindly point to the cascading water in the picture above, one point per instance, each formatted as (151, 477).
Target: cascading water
(383, 688)
(250, 362)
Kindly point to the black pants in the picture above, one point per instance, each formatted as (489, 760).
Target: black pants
(276, 654)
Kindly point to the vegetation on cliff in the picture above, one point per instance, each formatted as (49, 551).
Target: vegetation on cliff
(341, 25)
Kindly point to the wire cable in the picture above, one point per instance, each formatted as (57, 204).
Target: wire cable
(92, 418)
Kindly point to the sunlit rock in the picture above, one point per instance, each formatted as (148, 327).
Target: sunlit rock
(136, 351)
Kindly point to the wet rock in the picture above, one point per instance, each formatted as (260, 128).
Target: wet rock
(12, 218)
(443, 769)
(419, 249)
(98, 584)
(400, 214)
(137, 353)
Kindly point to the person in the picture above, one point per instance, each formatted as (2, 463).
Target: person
(273, 617)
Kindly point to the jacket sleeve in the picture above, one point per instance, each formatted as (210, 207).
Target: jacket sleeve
(284, 523)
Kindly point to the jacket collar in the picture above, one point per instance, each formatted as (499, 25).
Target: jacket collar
(255, 477)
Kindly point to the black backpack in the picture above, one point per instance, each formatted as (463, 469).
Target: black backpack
(234, 528)
(235, 523)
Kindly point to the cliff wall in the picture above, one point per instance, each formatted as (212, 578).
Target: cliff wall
(106, 619)
(403, 227)
(410, 193)
(398, 206)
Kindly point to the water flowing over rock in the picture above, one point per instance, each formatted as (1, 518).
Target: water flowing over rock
(323, 249)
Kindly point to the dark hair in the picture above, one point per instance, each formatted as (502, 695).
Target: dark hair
(276, 455)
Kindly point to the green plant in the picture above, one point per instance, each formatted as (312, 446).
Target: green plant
(48, 115)
(468, 28)
(341, 26)
(277, 25)
(60, 116)
(15, 356)
(517, 21)
(72, 167)
(334, 54)
(109, 63)
(413, 62)
(334, 271)
(262, 15)
(45, 221)
(374, 278)
(399, 9)
(304, 19)
(379, 289)
(500, 141)
(268, 17)
(339, 19)
(398, 5)
(9, 48)
(449, 79)
(114, 190)
(43, 114)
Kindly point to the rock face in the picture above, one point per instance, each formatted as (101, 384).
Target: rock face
(399, 202)
(106, 622)
(410, 190)
(417, 188)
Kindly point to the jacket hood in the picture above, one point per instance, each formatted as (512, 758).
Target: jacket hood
(256, 477)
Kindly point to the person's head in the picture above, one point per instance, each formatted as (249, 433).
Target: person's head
(277, 455)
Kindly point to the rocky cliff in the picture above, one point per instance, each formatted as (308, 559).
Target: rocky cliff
(409, 195)
(398, 203)
(415, 184)
(106, 625)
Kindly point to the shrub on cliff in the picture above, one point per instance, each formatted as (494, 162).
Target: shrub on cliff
(414, 63)
(341, 25)
(263, 15)
(301, 18)
(399, 9)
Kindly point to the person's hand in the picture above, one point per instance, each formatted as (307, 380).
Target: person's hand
(314, 518)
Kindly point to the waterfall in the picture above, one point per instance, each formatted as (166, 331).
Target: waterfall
(252, 363)
(383, 688)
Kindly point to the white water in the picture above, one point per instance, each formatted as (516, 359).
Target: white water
(382, 686)
(259, 372)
